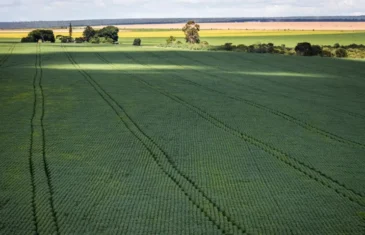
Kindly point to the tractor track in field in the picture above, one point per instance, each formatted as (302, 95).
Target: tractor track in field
(9, 53)
(275, 112)
(38, 165)
(352, 114)
(289, 160)
(220, 219)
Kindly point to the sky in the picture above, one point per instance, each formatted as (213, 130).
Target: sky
(33, 10)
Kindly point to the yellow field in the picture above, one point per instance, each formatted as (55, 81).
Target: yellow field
(203, 33)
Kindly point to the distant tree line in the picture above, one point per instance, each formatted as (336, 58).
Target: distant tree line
(98, 22)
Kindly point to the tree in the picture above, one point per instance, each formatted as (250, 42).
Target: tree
(88, 33)
(40, 34)
(109, 32)
(70, 30)
(304, 49)
(191, 31)
(137, 42)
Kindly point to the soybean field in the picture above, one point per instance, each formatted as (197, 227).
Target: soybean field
(144, 140)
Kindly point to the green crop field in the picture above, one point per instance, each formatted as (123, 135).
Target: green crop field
(144, 140)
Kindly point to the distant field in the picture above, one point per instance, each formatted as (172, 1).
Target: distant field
(219, 37)
(143, 140)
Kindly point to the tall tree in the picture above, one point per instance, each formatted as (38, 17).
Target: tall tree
(191, 31)
(88, 33)
(70, 30)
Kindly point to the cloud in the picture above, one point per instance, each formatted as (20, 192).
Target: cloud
(14, 10)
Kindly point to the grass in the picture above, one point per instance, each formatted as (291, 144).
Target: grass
(142, 140)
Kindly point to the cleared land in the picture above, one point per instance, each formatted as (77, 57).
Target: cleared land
(115, 139)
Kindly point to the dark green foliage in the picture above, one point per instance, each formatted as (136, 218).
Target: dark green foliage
(228, 46)
(67, 39)
(137, 42)
(108, 32)
(303, 49)
(341, 52)
(191, 31)
(242, 48)
(80, 40)
(70, 30)
(170, 40)
(326, 53)
(40, 34)
(316, 50)
(27, 39)
(94, 39)
(106, 40)
(336, 45)
(88, 33)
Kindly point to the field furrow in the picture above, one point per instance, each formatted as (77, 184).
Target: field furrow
(126, 75)
(195, 194)
(42, 201)
(7, 55)
(115, 139)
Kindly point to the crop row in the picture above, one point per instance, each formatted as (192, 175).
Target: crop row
(298, 165)
(8, 54)
(192, 191)
(288, 117)
(45, 218)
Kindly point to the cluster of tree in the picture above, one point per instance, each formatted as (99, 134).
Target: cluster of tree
(108, 34)
(43, 35)
(301, 49)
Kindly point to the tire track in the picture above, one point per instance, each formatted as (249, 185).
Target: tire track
(221, 220)
(30, 158)
(45, 162)
(6, 57)
(44, 215)
(304, 124)
(291, 161)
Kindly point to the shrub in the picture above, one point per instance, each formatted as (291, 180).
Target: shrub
(228, 46)
(95, 39)
(204, 43)
(336, 45)
(66, 39)
(80, 40)
(106, 40)
(340, 52)
(242, 47)
(178, 42)
(27, 39)
(137, 42)
(170, 40)
(303, 49)
(316, 50)
(326, 53)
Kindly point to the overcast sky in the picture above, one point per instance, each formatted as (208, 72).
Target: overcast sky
(29, 10)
